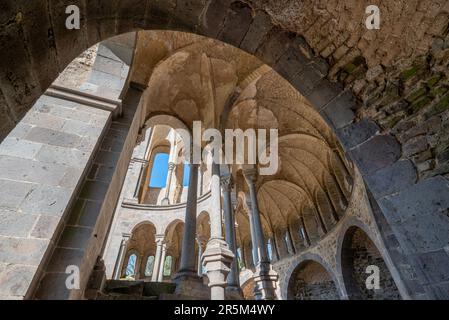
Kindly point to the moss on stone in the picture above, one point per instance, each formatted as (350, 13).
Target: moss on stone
(409, 73)
(440, 106)
(419, 104)
(433, 81)
(416, 94)
(349, 68)
(439, 91)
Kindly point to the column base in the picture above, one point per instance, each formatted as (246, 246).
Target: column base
(189, 284)
(265, 279)
(217, 259)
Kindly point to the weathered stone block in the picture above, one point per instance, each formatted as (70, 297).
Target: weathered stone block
(65, 156)
(22, 251)
(47, 200)
(323, 92)
(62, 258)
(340, 111)
(53, 137)
(392, 179)
(414, 146)
(214, 18)
(257, 32)
(46, 227)
(15, 224)
(426, 197)
(75, 237)
(357, 133)
(15, 280)
(94, 190)
(13, 193)
(434, 264)
(377, 153)
(236, 24)
(32, 171)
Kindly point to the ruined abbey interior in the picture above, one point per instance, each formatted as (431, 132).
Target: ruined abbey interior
(357, 208)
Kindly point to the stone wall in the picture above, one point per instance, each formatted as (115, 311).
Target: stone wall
(328, 252)
(360, 254)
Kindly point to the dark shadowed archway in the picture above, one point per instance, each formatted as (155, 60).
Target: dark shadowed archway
(359, 254)
(311, 281)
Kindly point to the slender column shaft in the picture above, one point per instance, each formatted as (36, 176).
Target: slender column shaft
(160, 277)
(120, 257)
(265, 277)
(188, 240)
(216, 231)
(233, 277)
(254, 247)
(157, 258)
(257, 223)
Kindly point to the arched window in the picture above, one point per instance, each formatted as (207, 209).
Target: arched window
(168, 266)
(288, 243)
(186, 175)
(159, 171)
(270, 250)
(131, 266)
(149, 266)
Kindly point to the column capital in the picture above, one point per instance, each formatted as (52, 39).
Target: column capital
(171, 166)
(160, 239)
(126, 236)
(250, 175)
(226, 183)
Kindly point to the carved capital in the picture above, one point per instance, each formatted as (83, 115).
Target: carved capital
(226, 183)
(250, 175)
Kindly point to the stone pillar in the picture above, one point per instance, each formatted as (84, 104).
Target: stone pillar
(254, 246)
(233, 289)
(160, 277)
(171, 169)
(217, 258)
(265, 278)
(157, 257)
(200, 253)
(121, 256)
(187, 281)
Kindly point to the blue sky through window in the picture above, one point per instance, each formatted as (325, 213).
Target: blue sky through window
(185, 181)
(160, 170)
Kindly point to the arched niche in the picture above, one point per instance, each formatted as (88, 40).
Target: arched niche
(361, 263)
(311, 281)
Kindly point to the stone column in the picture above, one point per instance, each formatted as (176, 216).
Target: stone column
(157, 257)
(264, 277)
(187, 281)
(233, 289)
(171, 169)
(200, 253)
(217, 258)
(121, 256)
(254, 246)
(189, 235)
(160, 277)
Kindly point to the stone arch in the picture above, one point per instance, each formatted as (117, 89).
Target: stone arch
(311, 279)
(173, 241)
(356, 251)
(273, 45)
(142, 243)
